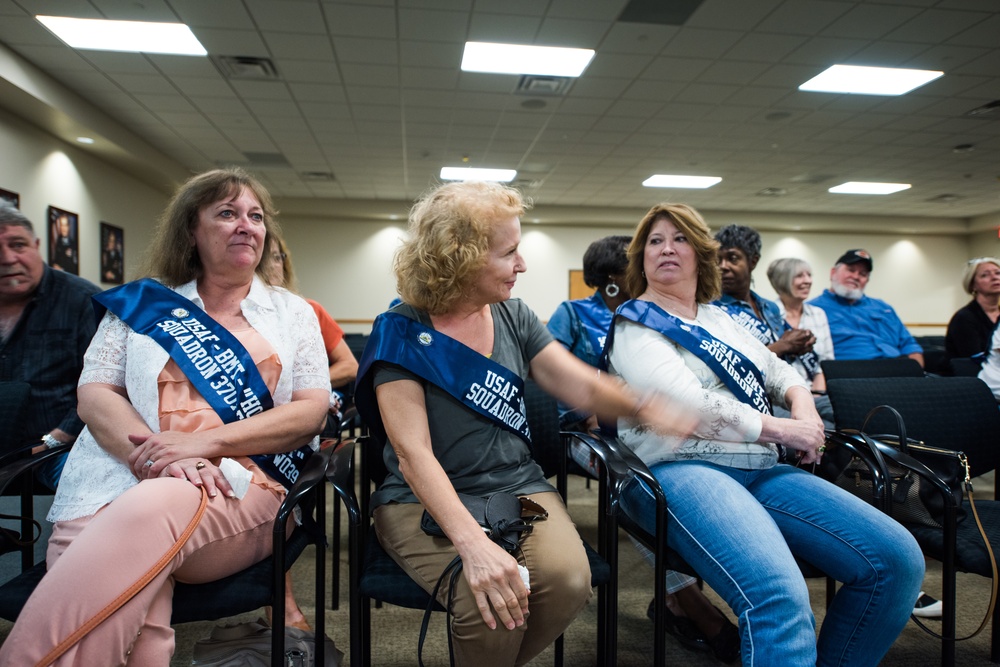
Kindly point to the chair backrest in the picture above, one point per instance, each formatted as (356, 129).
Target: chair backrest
(13, 401)
(958, 413)
(965, 366)
(871, 368)
(543, 420)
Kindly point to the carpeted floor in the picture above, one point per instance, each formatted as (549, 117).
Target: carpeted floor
(395, 630)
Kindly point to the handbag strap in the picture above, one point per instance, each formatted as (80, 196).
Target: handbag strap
(130, 592)
(989, 551)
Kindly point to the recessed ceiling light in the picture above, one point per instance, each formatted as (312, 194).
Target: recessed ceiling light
(855, 79)
(524, 59)
(132, 36)
(863, 188)
(477, 174)
(672, 181)
(85, 140)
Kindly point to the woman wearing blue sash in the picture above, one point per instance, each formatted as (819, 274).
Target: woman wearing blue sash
(442, 379)
(736, 514)
(582, 325)
(201, 393)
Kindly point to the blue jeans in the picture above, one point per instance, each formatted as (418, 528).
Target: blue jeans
(741, 531)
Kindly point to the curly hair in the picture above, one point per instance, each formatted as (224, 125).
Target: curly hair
(171, 257)
(604, 258)
(450, 231)
(781, 272)
(743, 238)
(706, 249)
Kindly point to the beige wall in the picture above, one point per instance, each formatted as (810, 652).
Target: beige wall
(347, 265)
(48, 172)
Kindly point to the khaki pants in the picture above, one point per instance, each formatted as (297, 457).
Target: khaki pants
(553, 554)
(91, 560)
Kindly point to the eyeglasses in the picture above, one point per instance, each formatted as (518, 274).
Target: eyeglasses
(278, 256)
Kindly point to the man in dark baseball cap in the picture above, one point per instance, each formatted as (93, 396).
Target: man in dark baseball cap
(862, 327)
(855, 257)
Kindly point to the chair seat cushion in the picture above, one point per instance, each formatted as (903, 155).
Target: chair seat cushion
(382, 579)
(241, 592)
(970, 551)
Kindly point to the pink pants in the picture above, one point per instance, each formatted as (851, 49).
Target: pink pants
(93, 559)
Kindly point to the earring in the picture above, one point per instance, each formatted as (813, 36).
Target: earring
(611, 289)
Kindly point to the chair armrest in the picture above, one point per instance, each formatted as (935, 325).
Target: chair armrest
(341, 475)
(14, 469)
(313, 473)
(616, 472)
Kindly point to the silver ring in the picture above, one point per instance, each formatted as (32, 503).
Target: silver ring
(199, 465)
(148, 463)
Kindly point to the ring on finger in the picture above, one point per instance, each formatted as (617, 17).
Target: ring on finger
(148, 463)
(199, 465)
(822, 448)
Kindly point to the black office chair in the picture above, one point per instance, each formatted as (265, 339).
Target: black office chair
(871, 368)
(259, 585)
(375, 576)
(957, 413)
(965, 366)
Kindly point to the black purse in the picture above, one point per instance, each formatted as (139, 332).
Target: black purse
(505, 518)
(914, 498)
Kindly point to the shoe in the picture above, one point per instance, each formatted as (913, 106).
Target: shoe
(726, 645)
(927, 607)
(682, 629)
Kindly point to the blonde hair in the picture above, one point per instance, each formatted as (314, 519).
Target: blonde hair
(969, 274)
(171, 256)
(706, 249)
(450, 231)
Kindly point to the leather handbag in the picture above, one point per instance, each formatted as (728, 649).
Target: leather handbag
(915, 499)
(505, 518)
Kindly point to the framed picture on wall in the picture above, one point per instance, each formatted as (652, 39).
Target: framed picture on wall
(112, 254)
(64, 240)
(10, 197)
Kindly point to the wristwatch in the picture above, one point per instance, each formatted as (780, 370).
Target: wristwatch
(50, 442)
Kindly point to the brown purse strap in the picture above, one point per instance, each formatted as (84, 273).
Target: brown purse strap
(131, 591)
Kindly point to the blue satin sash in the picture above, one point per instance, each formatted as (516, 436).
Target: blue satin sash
(766, 335)
(212, 359)
(738, 373)
(481, 385)
(595, 319)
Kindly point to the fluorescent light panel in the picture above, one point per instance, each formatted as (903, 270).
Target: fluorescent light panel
(858, 80)
(477, 174)
(866, 188)
(131, 36)
(523, 59)
(675, 181)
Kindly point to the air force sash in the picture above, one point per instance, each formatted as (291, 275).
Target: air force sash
(595, 318)
(214, 361)
(481, 385)
(738, 373)
(766, 335)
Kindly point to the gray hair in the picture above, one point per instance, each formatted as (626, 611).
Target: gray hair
(968, 275)
(738, 236)
(11, 215)
(781, 272)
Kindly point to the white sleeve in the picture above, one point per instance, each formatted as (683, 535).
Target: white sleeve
(648, 361)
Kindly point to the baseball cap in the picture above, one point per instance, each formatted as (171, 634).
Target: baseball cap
(855, 256)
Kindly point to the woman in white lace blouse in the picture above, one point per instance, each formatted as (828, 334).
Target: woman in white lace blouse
(147, 466)
(738, 512)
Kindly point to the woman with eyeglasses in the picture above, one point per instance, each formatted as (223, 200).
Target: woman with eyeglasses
(971, 328)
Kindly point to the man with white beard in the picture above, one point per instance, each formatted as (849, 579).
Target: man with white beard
(46, 323)
(862, 327)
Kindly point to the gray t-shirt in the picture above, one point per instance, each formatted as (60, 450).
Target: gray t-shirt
(479, 457)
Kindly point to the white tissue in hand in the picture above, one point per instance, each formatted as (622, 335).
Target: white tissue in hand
(237, 476)
(524, 576)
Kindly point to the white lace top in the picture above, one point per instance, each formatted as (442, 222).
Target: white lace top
(647, 360)
(117, 355)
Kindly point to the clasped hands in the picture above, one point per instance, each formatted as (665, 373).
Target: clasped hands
(168, 454)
